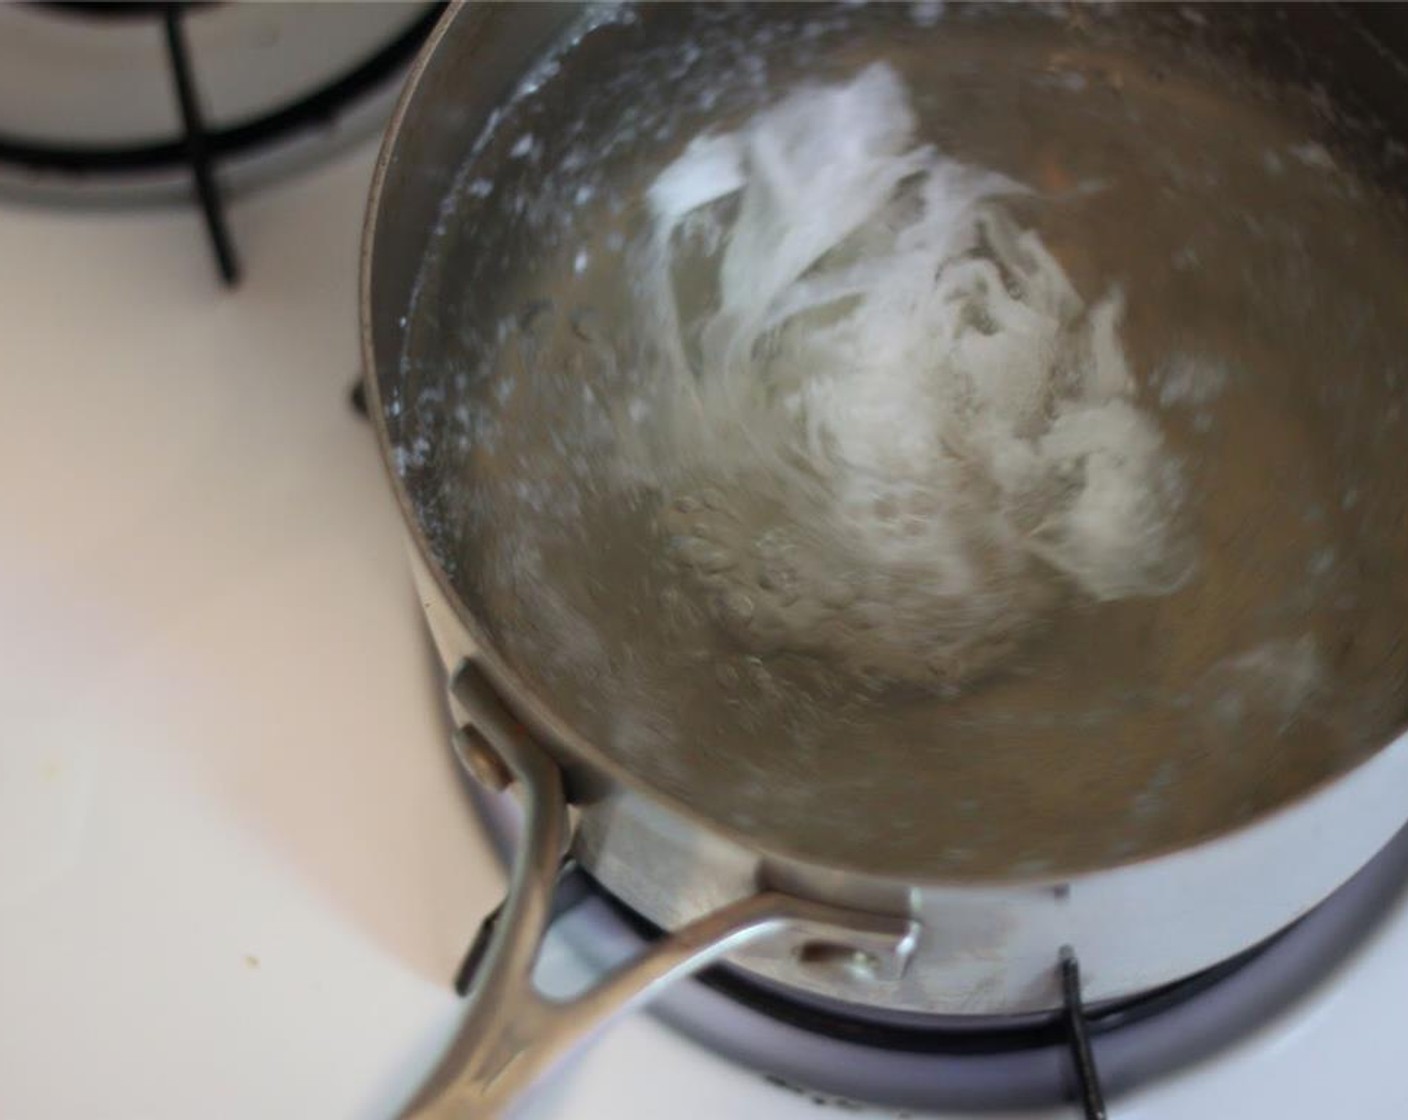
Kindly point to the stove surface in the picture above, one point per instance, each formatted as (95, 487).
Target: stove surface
(237, 869)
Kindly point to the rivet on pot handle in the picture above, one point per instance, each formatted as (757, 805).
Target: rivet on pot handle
(512, 1034)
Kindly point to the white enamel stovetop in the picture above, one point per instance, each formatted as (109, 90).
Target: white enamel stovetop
(236, 869)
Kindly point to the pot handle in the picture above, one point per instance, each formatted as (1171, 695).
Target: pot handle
(512, 1034)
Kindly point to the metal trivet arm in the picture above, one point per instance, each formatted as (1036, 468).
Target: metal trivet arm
(198, 146)
(1092, 1097)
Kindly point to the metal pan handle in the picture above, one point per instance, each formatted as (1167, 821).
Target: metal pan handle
(512, 1034)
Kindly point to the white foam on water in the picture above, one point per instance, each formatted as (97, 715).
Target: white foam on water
(914, 433)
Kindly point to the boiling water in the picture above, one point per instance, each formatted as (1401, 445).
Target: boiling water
(964, 445)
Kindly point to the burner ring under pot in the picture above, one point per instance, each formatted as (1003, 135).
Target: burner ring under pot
(807, 1043)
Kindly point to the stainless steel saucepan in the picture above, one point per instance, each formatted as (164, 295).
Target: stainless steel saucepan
(1158, 781)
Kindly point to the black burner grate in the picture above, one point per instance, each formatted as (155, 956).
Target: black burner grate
(198, 143)
(200, 149)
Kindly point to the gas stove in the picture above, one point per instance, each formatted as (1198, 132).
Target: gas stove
(238, 865)
(943, 1066)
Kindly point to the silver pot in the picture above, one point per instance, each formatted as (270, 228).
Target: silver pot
(831, 922)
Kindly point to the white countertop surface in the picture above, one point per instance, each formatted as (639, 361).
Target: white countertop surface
(236, 867)
(237, 870)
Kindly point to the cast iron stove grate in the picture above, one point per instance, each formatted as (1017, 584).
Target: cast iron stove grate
(200, 148)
